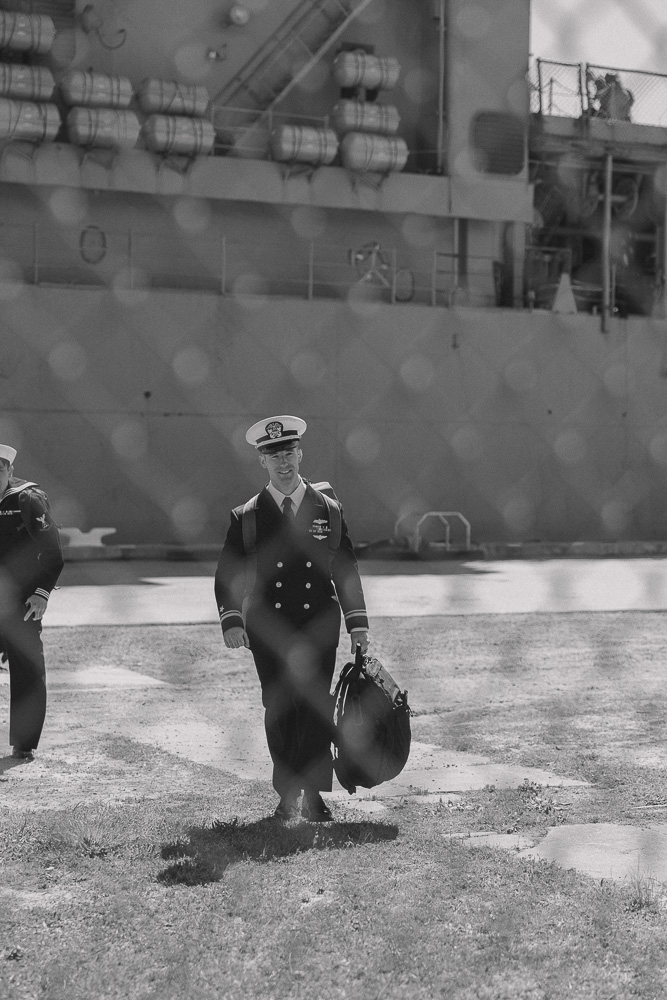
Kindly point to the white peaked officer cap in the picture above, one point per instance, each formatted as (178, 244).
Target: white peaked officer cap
(8, 453)
(275, 430)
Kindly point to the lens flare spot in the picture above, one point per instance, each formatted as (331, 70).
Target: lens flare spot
(417, 372)
(241, 447)
(10, 433)
(250, 290)
(308, 223)
(316, 77)
(191, 63)
(657, 448)
(616, 379)
(474, 22)
(373, 14)
(364, 300)
(191, 366)
(67, 510)
(193, 215)
(11, 280)
(614, 516)
(68, 361)
(130, 286)
(189, 517)
(419, 85)
(129, 440)
(520, 375)
(419, 231)
(363, 445)
(517, 97)
(467, 443)
(518, 514)
(68, 205)
(308, 368)
(570, 447)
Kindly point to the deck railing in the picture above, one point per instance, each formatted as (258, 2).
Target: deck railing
(573, 90)
(128, 259)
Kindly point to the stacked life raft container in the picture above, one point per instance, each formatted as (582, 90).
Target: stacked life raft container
(177, 117)
(26, 111)
(100, 115)
(363, 131)
(368, 129)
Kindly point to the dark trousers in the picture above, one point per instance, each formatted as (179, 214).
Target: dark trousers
(22, 642)
(295, 664)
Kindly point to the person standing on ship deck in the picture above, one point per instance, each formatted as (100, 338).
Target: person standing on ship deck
(292, 620)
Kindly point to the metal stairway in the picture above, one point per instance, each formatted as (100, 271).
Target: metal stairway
(243, 107)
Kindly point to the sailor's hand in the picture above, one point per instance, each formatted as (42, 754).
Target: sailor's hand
(359, 637)
(36, 606)
(236, 637)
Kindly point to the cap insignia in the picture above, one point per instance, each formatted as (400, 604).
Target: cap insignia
(274, 429)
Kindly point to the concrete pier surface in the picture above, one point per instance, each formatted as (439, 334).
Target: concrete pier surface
(112, 593)
(160, 592)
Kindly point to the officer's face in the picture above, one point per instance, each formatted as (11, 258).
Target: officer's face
(283, 467)
(5, 472)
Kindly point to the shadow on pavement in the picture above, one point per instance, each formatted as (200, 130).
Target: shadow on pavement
(203, 854)
(8, 762)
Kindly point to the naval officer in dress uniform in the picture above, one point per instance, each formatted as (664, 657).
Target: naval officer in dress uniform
(291, 618)
(31, 561)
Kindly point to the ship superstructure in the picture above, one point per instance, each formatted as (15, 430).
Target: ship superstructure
(366, 212)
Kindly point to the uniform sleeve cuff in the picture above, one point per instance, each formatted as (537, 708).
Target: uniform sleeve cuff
(42, 593)
(231, 619)
(356, 620)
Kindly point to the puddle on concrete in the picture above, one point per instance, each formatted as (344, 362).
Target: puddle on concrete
(99, 676)
(435, 775)
(93, 677)
(599, 850)
(432, 774)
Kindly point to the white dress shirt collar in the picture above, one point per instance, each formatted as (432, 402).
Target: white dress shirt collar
(296, 497)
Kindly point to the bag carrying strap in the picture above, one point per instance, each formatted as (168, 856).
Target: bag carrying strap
(249, 530)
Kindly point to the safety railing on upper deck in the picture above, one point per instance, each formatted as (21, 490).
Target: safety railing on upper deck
(92, 257)
(573, 90)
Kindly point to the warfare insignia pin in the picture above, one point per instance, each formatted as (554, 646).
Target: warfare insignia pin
(320, 529)
(274, 429)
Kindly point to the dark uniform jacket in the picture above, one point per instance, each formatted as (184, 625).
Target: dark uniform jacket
(31, 558)
(297, 575)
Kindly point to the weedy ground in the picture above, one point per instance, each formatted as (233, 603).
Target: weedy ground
(129, 873)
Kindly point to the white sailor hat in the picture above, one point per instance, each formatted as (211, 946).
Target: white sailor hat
(8, 453)
(275, 430)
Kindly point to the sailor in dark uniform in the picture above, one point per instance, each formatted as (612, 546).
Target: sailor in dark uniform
(300, 569)
(31, 561)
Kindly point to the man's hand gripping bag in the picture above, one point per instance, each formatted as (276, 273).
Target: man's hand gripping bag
(372, 725)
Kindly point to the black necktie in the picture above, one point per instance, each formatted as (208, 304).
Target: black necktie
(288, 510)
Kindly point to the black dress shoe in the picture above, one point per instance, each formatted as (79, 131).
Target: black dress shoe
(316, 810)
(287, 808)
(19, 754)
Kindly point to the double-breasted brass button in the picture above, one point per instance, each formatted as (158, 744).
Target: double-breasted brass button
(309, 564)
(306, 606)
(308, 586)
(278, 584)
(279, 605)
(279, 565)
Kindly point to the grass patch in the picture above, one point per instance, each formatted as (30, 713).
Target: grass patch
(144, 875)
(136, 902)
